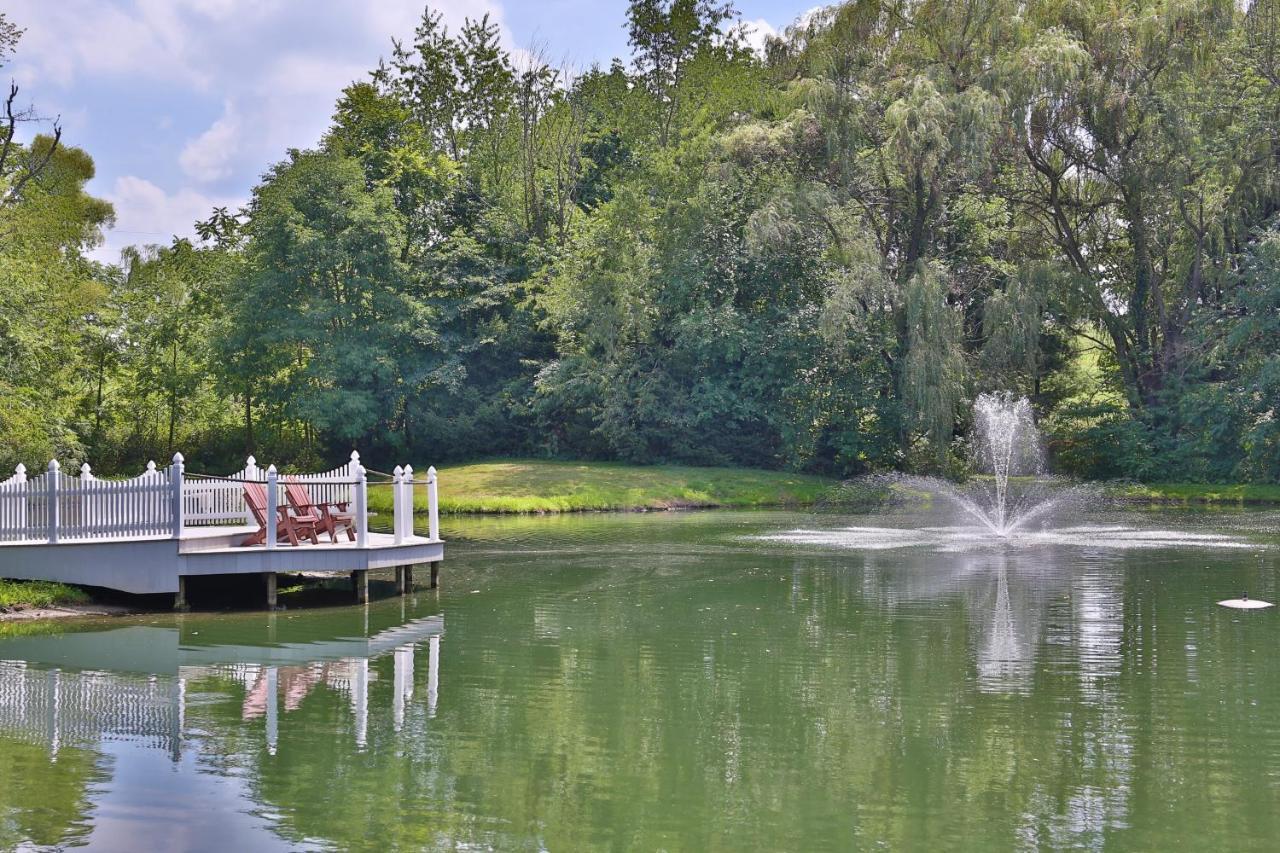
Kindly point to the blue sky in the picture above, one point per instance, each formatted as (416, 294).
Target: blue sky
(184, 103)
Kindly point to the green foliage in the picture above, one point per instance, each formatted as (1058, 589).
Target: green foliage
(809, 259)
(15, 594)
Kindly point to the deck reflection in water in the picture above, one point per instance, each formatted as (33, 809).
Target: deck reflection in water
(106, 703)
(61, 694)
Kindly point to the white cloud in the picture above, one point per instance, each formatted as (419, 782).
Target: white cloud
(145, 213)
(207, 43)
(235, 83)
(756, 33)
(208, 157)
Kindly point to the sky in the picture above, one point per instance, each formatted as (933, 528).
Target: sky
(183, 104)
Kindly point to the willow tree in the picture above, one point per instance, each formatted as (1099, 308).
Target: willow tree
(1148, 132)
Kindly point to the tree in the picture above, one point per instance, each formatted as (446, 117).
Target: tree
(665, 36)
(325, 298)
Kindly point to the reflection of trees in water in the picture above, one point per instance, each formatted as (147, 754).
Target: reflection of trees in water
(874, 700)
(45, 802)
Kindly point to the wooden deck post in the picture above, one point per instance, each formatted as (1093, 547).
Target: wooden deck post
(408, 579)
(270, 578)
(401, 583)
(406, 495)
(433, 506)
(175, 473)
(180, 597)
(51, 498)
(360, 584)
(435, 574)
(273, 501)
(397, 505)
(362, 507)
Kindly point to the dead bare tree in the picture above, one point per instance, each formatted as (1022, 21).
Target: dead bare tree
(20, 164)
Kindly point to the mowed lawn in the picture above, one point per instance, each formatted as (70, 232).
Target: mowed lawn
(548, 486)
(1197, 493)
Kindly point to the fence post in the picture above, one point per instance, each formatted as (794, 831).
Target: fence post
(272, 503)
(406, 486)
(397, 504)
(20, 503)
(433, 505)
(52, 497)
(175, 486)
(250, 473)
(362, 507)
(85, 504)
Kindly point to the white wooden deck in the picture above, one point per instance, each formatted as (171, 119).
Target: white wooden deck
(145, 534)
(154, 564)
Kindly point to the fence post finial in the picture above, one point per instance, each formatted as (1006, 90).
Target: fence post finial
(53, 465)
(177, 457)
(20, 473)
(151, 466)
(86, 473)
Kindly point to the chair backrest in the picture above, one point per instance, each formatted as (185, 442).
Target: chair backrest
(298, 496)
(256, 497)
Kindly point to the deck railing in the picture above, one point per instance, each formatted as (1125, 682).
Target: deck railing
(54, 507)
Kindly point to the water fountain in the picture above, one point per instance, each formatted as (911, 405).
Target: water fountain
(1012, 502)
(1008, 452)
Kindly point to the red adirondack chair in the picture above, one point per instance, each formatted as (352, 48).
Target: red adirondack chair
(287, 526)
(333, 516)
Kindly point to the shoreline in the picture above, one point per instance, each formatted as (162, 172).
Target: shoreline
(31, 613)
(1155, 496)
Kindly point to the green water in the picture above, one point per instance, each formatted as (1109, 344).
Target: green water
(669, 682)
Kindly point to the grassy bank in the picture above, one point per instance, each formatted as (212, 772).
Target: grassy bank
(513, 486)
(20, 595)
(1194, 493)
(537, 486)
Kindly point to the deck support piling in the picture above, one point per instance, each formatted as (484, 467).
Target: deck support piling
(360, 584)
(270, 578)
(435, 574)
(180, 597)
(404, 579)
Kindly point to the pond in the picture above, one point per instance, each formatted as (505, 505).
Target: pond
(683, 681)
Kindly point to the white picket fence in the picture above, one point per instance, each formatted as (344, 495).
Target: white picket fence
(218, 501)
(54, 507)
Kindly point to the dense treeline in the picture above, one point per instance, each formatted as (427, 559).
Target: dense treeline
(809, 258)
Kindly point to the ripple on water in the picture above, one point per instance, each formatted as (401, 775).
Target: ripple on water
(965, 538)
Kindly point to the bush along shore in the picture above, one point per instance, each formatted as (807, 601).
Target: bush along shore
(17, 596)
